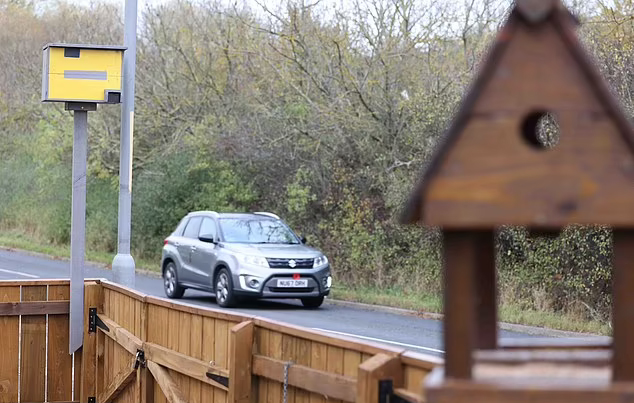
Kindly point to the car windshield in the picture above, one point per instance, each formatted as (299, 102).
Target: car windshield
(241, 230)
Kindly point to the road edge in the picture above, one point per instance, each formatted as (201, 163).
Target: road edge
(513, 327)
(99, 265)
(534, 330)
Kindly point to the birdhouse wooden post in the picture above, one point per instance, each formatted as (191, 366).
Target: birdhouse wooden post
(494, 169)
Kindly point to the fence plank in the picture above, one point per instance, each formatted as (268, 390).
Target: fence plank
(138, 385)
(335, 363)
(351, 362)
(77, 364)
(60, 363)
(221, 353)
(33, 365)
(219, 314)
(100, 359)
(92, 297)
(303, 355)
(183, 364)
(166, 383)
(288, 355)
(346, 342)
(173, 333)
(139, 319)
(316, 381)
(319, 360)
(185, 323)
(240, 355)
(119, 382)
(107, 345)
(262, 347)
(413, 379)
(161, 328)
(25, 283)
(121, 336)
(35, 308)
(275, 394)
(196, 345)
(128, 322)
(114, 354)
(9, 354)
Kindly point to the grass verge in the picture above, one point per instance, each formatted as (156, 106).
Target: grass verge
(18, 240)
(420, 302)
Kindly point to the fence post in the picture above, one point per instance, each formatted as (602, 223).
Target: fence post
(240, 357)
(92, 299)
(371, 371)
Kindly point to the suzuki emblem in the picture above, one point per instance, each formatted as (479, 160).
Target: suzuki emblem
(292, 263)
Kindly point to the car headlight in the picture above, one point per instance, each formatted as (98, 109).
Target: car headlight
(320, 261)
(255, 260)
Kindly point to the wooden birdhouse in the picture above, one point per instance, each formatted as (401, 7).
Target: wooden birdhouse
(494, 169)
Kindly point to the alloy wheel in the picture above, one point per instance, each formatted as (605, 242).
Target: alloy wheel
(222, 288)
(170, 280)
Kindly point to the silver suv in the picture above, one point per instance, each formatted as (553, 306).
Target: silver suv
(238, 256)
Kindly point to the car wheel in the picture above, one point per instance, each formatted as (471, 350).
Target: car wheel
(224, 289)
(313, 302)
(170, 282)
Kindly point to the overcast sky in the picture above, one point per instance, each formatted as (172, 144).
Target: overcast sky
(251, 4)
(141, 4)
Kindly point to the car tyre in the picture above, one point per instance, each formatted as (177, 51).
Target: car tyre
(170, 282)
(313, 302)
(225, 296)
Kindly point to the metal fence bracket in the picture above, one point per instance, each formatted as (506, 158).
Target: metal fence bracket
(223, 380)
(95, 322)
(387, 395)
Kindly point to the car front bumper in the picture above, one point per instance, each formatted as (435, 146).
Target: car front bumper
(317, 283)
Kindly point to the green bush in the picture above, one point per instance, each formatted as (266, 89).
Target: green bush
(173, 186)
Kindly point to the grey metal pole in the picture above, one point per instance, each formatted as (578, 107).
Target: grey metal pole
(123, 264)
(78, 229)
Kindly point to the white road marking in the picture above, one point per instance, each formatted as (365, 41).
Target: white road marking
(381, 340)
(18, 273)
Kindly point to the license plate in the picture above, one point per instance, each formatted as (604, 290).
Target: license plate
(292, 283)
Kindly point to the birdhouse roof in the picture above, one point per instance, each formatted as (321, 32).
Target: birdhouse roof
(486, 172)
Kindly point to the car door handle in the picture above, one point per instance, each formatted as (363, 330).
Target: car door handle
(193, 248)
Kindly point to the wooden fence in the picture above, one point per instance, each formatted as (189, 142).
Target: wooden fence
(146, 349)
(34, 362)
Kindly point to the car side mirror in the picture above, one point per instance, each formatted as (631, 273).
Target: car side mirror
(303, 239)
(207, 238)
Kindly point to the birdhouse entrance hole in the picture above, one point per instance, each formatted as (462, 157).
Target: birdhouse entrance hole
(540, 130)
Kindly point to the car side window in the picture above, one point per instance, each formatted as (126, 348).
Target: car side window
(208, 228)
(191, 231)
(181, 226)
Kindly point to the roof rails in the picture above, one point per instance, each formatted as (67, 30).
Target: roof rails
(267, 214)
(213, 213)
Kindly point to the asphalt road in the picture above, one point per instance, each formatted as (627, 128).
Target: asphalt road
(396, 330)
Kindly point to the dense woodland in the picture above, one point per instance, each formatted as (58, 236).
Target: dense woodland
(323, 114)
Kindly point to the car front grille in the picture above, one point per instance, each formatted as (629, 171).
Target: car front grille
(276, 263)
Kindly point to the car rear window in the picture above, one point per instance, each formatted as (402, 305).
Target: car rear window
(191, 231)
